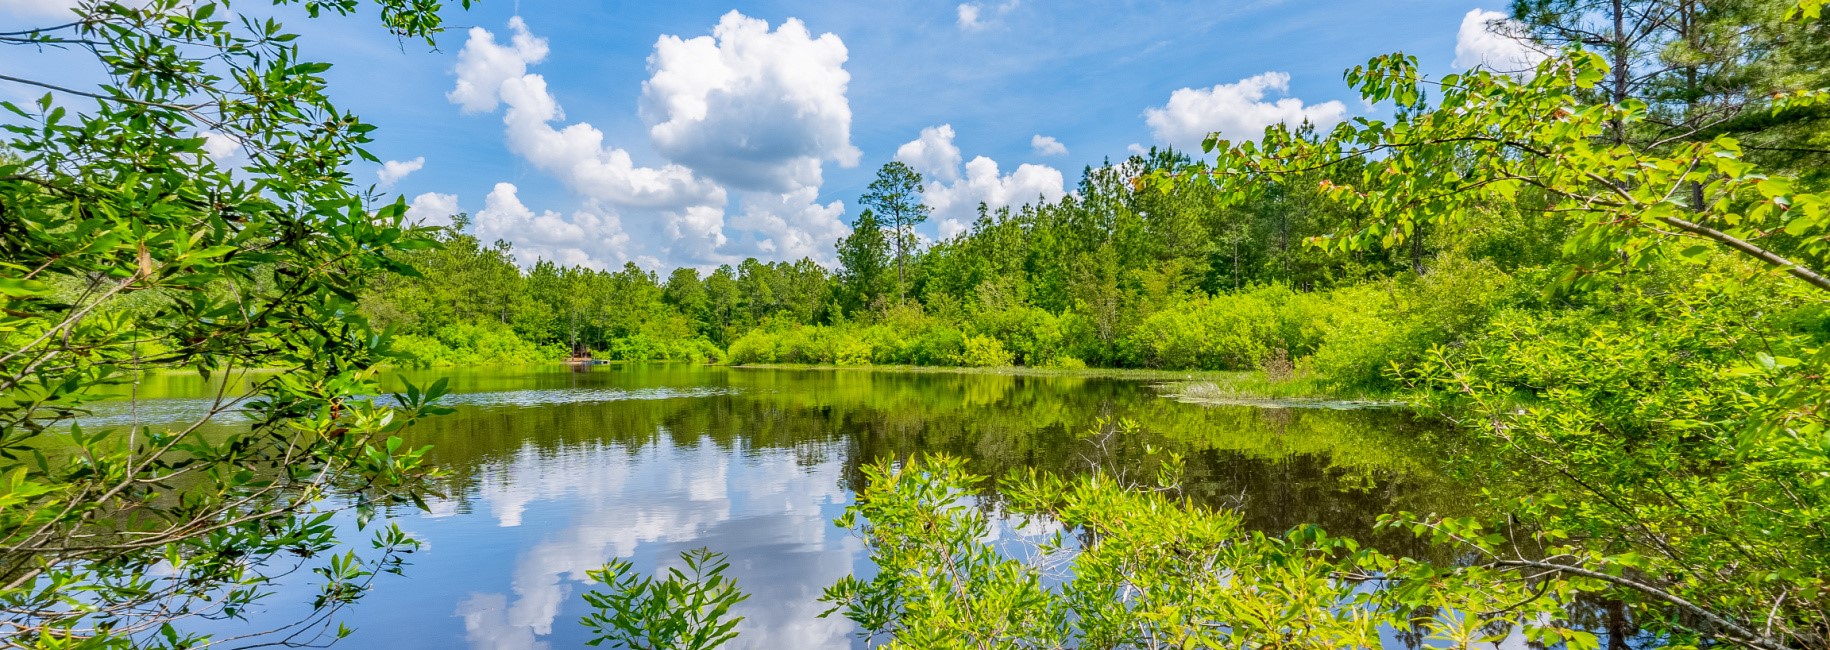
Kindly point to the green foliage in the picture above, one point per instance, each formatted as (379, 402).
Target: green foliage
(1639, 405)
(1703, 70)
(982, 351)
(1125, 566)
(470, 344)
(1370, 330)
(125, 250)
(1229, 332)
(1486, 139)
(895, 197)
(1655, 411)
(689, 610)
(864, 257)
(469, 304)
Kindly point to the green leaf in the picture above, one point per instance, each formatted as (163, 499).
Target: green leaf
(20, 288)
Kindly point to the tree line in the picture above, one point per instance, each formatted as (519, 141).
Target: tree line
(1071, 282)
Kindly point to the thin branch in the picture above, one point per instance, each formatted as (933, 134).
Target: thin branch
(112, 98)
(1797, 270)
(1738, 632)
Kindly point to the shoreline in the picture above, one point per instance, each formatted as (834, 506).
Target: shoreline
(1211, 387)
(1218, 387)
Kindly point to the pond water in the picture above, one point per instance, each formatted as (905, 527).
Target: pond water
(554, 470)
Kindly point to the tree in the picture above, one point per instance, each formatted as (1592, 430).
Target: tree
(896, 197)
(1703, 68)
(1705, 514)
(686, 292)
(863, 262)
(633, 297)
(726, 301)
(125, 249)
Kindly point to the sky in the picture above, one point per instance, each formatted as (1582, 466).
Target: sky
(696, 134)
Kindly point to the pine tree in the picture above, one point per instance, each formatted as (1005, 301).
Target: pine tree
(864, 258)
(896, 198)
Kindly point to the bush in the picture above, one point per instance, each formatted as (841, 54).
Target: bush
(851, 350)
(758, 346)
(981, 352)
(1361, 341)
(470, 344)
(1224, 332)
(937, 346)
(1373, 329)
(1031, 334)
(646, 347)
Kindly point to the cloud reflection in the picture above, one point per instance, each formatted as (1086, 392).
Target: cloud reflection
(766, 509)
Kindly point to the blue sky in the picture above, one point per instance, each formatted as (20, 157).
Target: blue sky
(699, 133)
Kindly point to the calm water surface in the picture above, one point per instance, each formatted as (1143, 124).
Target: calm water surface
(554, 471)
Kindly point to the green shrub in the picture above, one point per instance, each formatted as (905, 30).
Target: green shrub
(421, 350)
(937, 346)
(757, 346)
(1224, 332)
(982, 352)
(1376, 328)
(471, 344)
(1031, 334)
(849, 349)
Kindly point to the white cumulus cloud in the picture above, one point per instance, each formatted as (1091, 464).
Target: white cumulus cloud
(589, 238)
(393, 171)
(747, 113)
(933, 155)
(1047, 145)
(689, 207)
(1237, 111)
(483, 65)
(432, 209)
(955, 197)
(792, 225)
(751, 108)
(577, 155)
(1491, 40)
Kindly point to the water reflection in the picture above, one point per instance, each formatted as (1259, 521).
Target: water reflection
(590, 504)
(554, 472)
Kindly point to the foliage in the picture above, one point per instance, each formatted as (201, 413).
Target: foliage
(688, 610)
(1125, 566)
(1636, 411)
(1657, 409)
(894, 196)
(127, 250)
(982, 351)
(471, 304)
(1486, 139)
(1230, 332)
(469, 344)
(864, 256)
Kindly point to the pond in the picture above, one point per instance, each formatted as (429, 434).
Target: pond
(553, 470)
